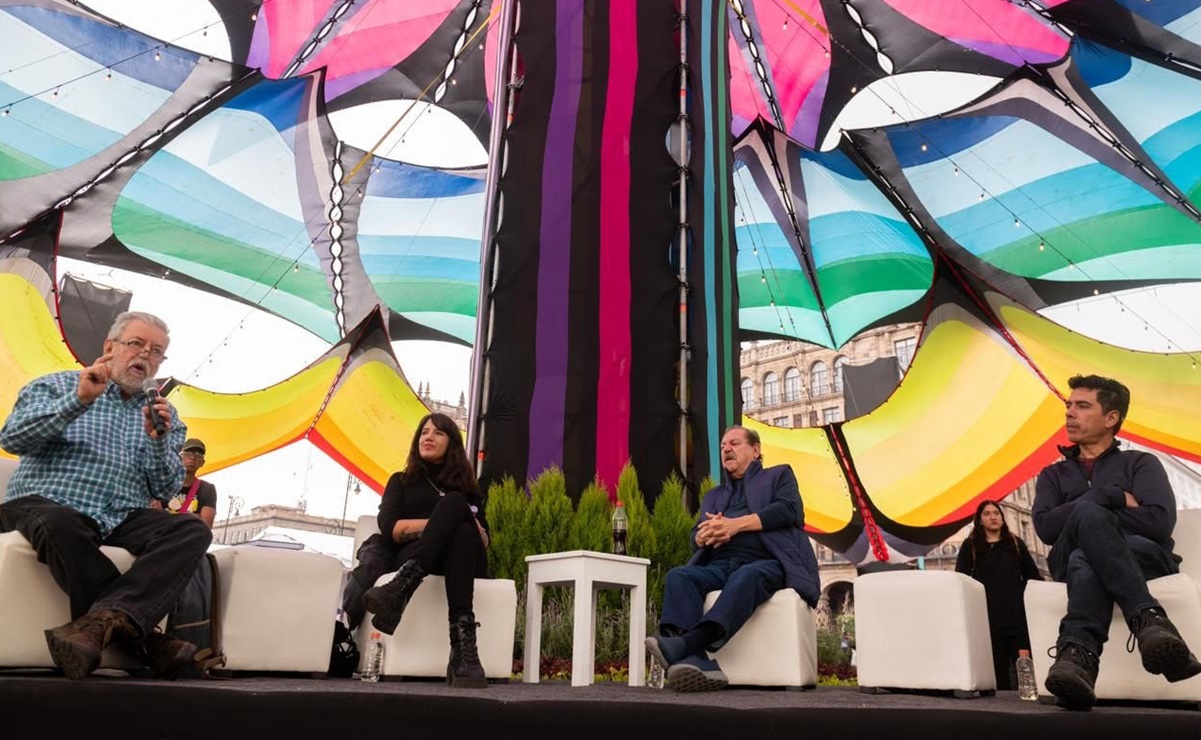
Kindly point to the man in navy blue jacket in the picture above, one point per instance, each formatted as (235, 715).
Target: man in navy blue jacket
(1109, 515)
(748, 543)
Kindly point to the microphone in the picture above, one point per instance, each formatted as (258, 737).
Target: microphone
(150, 388)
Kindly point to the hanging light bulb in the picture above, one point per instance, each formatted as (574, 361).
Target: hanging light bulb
(1016, 223)
(108, 75)
(956, 172)
(1042, 246)
(296, 267)
(254, 16)
(157, 56)
(762, 277)
(55, 93)
(785, 23)
(924, 147)
(6, 111)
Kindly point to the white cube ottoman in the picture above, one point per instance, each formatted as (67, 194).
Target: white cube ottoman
(776, 647)
(277, 608)
(923, 630)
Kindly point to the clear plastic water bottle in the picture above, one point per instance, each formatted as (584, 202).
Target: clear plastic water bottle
(1027, 686)
(621, 525)
(373, 667)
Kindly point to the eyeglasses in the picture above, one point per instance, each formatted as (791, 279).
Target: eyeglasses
(138, 346)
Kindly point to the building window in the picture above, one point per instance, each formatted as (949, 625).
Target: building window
(792, 385)
(781, 421)
(813, 418)
(904, 349)
(771, 389)
(818, 378)
(798, 420)
(839, 364)
(829, 416)
(748, 394)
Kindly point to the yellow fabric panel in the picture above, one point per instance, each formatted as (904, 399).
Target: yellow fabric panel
(31, 344)
(1165, 389)
(969, 413)
(371, 419)
(236, 427)
(824, 491)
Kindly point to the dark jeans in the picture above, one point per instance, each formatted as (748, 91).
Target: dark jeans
(449, 546)
(743, 587)
(167, 547)
(1102, 565)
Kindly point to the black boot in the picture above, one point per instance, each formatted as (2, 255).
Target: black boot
(388, 602)
(1073, 675)
(75, 647)
(1162, 648)
(464, 670)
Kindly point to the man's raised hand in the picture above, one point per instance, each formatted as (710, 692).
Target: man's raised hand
(94, 379)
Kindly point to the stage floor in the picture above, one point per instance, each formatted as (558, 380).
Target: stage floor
(42, 705)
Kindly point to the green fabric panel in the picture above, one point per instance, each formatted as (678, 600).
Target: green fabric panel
(1115, 233)
(427, 294)
(790, 287)
(872, 274)
(15, 164)
(156, 232)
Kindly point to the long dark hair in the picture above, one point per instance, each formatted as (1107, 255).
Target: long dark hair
(457, 474)
(978, 541)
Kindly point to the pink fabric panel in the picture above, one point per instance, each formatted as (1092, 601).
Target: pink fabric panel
(797, 60)
(379, 36)
(613, 382)
(997, 28)
(288, 28)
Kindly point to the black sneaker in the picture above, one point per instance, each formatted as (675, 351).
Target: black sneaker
(1073, 675)
(1162, 648)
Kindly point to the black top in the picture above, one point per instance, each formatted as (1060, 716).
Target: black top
(1004, 570)
(206, 495)
(417, 499)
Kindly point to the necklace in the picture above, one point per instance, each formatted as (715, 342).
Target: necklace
(434, 486)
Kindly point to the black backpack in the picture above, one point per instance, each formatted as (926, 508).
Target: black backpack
(195, 618)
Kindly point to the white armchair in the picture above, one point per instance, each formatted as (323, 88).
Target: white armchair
(1122, 675)
(420, 647)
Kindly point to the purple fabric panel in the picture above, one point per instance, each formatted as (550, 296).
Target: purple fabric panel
(554, 256)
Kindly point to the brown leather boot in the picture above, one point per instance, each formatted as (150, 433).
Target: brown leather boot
(75, 647)
(163, 654)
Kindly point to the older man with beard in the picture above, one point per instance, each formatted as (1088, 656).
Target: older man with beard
(91, 462)
(749, 543)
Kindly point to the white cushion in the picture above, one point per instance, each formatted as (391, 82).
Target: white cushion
(922, 630)
(1187, 536)
(31, 602)
(776, 647)
(1122, 675)
(277, 608)
(420, 647)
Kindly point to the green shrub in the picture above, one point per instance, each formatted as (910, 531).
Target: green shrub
(672, 525)
(707, 484)
(548, 522)
(592, 527)
(641, 537)
(506, 512)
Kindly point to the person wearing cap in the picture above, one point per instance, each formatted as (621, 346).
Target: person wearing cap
(196, 496)
(91, 461)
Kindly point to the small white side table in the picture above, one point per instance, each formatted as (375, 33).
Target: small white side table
(588, 572)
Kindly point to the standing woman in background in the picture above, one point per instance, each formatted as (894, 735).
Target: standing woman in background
(431, 520)
(996, 558)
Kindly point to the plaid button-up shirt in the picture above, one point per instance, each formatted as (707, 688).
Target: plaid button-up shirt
(95, 459)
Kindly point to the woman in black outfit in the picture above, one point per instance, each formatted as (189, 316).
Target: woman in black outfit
(1000, 561)
(431, 520)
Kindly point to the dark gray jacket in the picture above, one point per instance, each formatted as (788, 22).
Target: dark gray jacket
(1062, 485)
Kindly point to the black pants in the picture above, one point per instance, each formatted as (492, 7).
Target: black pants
(1006, 642)
(1102, 565)
(450, 546)
(168, 549)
